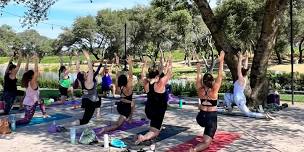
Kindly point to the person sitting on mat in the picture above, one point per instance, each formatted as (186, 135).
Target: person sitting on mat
(64, 84)
(124, 107)
(31, 99)
(238, 96)
(207, 90)
(106, 81)
(156, 104)
(10, 91)
(90, 99)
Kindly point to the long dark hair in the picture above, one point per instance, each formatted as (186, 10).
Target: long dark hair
(122, 80)
(208, 80)
(26, 78)
(80, 78)
(152, 73)
(61, 69)
(10, 67)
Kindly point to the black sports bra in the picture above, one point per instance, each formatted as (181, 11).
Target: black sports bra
(213, 102)
(130, 97)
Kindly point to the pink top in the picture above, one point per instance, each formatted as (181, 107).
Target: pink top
(31, 96)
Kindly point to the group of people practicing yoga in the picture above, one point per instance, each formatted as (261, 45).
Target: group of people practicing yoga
(154, 79)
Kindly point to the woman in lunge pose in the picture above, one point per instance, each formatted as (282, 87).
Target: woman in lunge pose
(156, 105)
(238, 96)
(207, 90)
(31, 99)
(125, 85)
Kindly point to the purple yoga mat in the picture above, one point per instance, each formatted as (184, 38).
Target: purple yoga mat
(124, 127)
(72, 102)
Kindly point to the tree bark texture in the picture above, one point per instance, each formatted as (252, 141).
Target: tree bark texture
(301, 51)
(265, 44)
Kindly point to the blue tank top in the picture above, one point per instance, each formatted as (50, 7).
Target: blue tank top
(106, 80)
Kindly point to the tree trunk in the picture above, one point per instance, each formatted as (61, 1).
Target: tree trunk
(258, 78)
(301, 51)
(279, 57)
(218, 36)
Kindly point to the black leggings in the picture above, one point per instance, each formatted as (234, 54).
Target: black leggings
(209, 121)
(89, 109)
(156, 115)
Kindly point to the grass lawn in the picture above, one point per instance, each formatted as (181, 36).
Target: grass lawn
(287, 97)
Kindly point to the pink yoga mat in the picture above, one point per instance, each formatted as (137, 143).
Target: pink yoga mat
(221, 139)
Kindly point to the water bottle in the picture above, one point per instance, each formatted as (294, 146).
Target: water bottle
(73, 135)
(13, 122)
(106, 142)
(180, 103)
(152, 147)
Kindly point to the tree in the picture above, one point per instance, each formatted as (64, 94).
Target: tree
(273, 10)
(36, 10)
(32, 42)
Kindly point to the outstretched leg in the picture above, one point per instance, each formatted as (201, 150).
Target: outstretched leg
(119, 122)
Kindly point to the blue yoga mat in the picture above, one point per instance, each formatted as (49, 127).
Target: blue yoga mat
(168, 132)
(40, 120)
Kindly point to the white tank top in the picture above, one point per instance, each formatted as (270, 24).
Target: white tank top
(238, 89)
(31, 96)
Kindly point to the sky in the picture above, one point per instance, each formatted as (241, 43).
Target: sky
(64, 12)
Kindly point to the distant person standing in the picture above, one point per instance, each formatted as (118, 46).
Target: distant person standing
(106, 82)
(65, 84)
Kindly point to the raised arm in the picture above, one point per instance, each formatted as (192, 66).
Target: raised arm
(98, 69)
(143, 74)
(198, 76)
(239, 66)
(219, 78)
(130, 73)
(18, 65)
(161, 60)
(168, 75)
(77, 62)
(34, 81)
(246, 60)
(9, 63)
(90, 66)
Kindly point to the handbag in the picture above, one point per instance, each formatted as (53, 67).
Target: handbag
(4, 126)
(88, 137)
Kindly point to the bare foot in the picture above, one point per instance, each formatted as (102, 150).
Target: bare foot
(46, 116)
(140, 138)
(101, 131)
(191, 149)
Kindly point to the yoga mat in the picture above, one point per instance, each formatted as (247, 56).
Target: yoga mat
(167, 132)
(40, 120)
(72, 102)
(124, 127)
(234, 113)
(221, 140)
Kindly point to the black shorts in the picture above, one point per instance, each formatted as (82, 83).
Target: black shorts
(156, 115)
(63, 91)
(85, 102)
(105, 88)
(124, 109)
(209, 121)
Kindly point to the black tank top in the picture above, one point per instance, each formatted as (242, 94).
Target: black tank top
(213, 102)
(156, 99)
(130, 97)
(9, 84)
